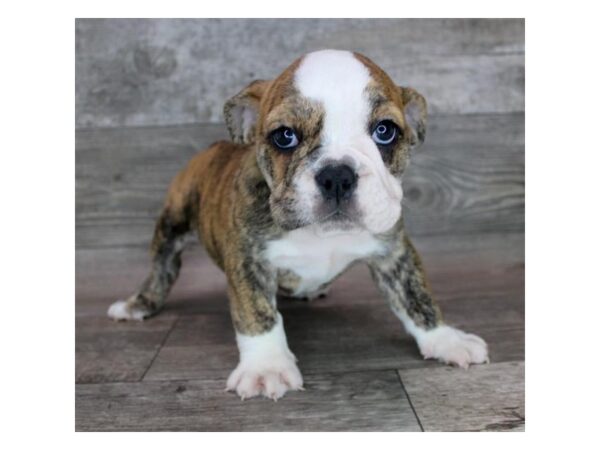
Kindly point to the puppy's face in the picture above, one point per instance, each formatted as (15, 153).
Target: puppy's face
(333, 136)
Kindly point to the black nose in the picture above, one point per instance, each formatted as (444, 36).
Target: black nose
(336, 182)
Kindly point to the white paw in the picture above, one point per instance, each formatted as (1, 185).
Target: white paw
(120, 310)
(267, 367)
(271, 377)
(453, 346)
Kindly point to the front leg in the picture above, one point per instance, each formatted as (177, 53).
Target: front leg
(400, 277)
(267, 366)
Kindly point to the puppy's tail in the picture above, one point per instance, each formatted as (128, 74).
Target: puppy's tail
(179, 214)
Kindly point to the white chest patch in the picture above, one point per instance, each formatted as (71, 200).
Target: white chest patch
(317, 257)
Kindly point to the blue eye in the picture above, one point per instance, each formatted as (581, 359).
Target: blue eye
(285, 138)
(385, 132)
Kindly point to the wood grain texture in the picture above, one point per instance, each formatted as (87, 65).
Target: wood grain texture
(354, 402)
(468, 178)
(483, 398)
(133, 72)
(107, 351)
(331, 340)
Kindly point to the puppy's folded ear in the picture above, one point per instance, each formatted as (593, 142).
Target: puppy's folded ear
(241, 111)
(415, 112)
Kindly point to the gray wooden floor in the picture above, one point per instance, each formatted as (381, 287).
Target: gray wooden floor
(464, 209)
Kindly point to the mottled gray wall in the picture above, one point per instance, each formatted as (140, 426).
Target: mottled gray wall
(136, 72)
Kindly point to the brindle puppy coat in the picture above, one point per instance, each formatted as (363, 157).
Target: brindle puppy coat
(310, 184)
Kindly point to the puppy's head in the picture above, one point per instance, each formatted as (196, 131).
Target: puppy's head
(333, 134)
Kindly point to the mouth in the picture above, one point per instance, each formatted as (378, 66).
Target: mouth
(338, 219)
(337, 215)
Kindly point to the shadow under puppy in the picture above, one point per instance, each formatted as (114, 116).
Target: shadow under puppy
(310, 184)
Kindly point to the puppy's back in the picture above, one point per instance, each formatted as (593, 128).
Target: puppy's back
(200, 193)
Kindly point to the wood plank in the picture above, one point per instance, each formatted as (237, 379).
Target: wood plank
(364, 401)
(468, 178)
(109, 351)
(156, 72)
(483, 398)
(336, 339)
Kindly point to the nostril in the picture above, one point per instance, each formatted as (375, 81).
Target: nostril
(328, 185)
(347, 183)
(347, 178)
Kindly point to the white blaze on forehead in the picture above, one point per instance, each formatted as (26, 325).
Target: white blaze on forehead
(337, 80)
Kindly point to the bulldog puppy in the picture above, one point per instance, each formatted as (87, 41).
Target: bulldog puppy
(310, 184)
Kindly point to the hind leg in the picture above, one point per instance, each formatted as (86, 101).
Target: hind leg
(167, 245)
